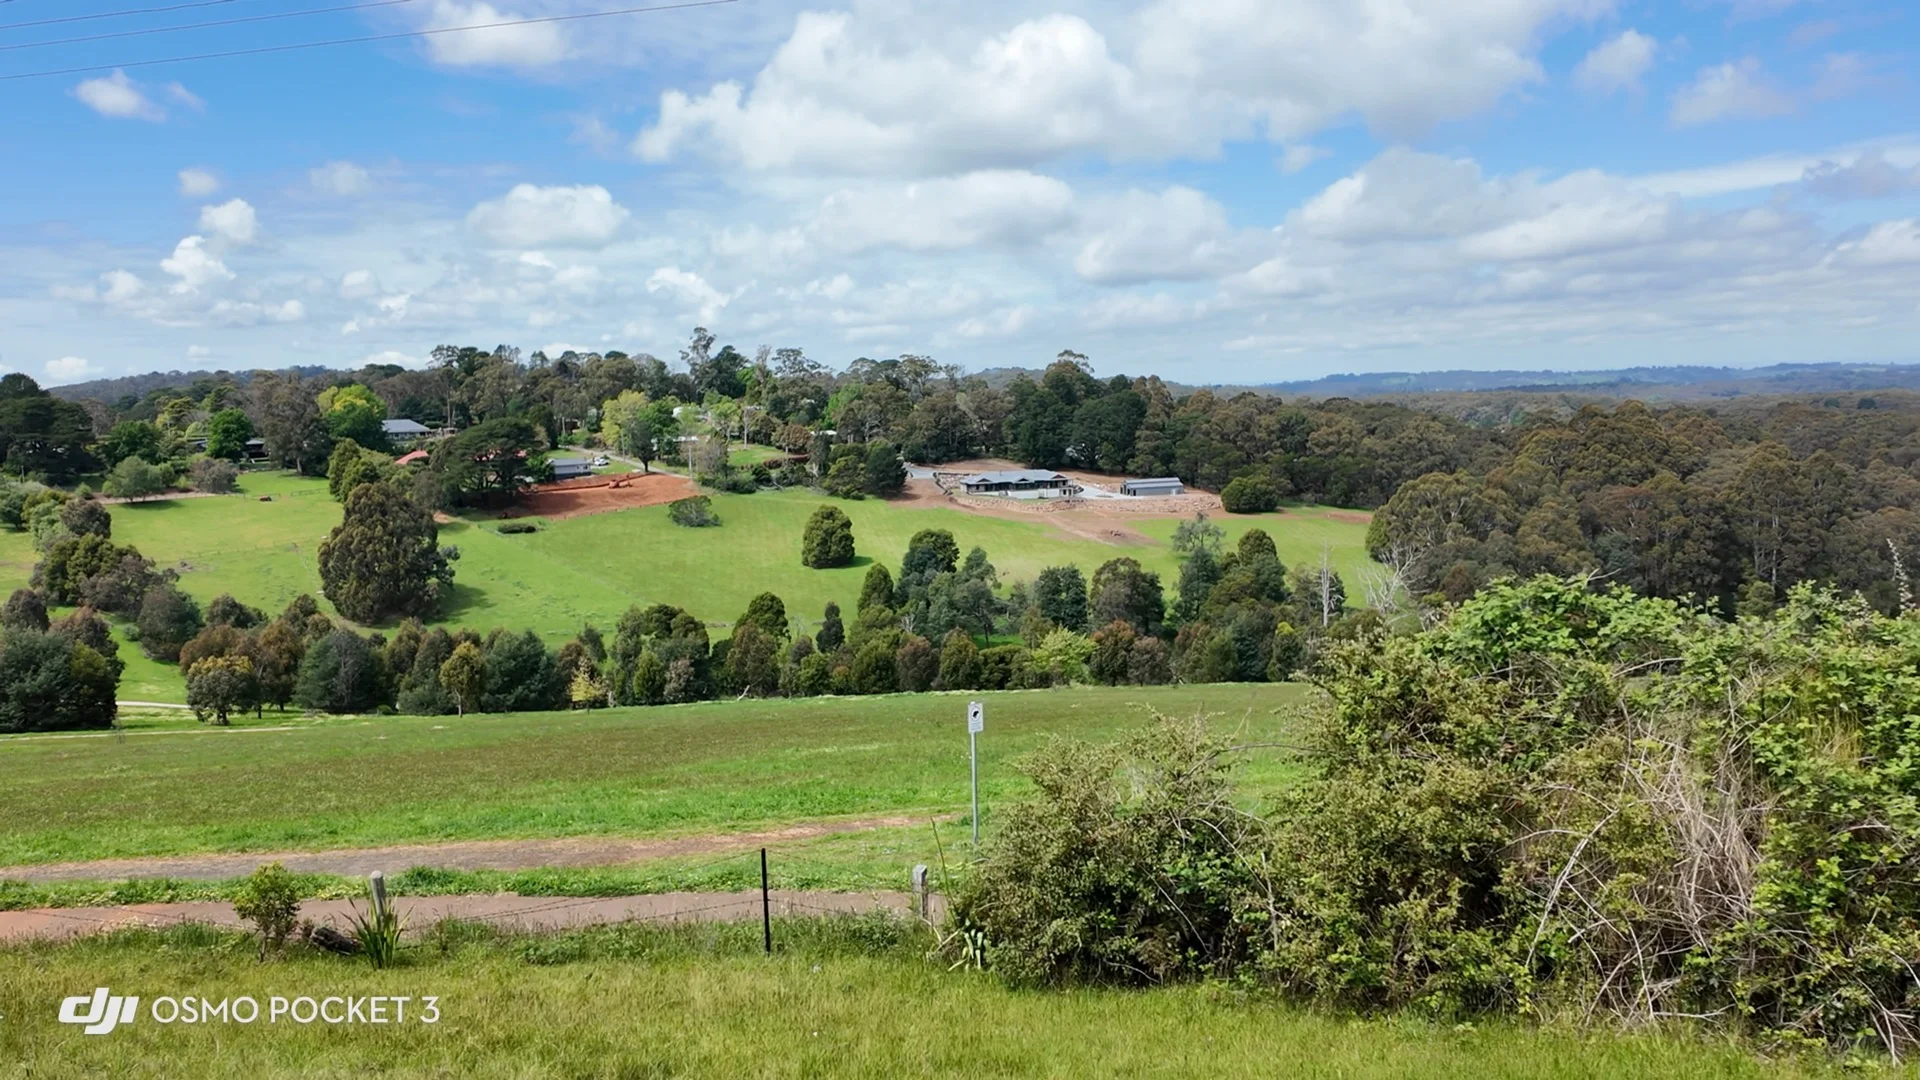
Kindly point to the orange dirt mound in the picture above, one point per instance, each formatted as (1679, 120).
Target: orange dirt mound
(596, 495)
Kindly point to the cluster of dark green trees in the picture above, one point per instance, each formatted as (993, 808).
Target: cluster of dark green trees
(1730, 508)
(938, 622)
(55, 675)
(941, 622)
(243, 661)
(80, 566)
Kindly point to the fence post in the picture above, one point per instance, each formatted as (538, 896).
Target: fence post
(378, 881)
(766, 905)
(920, 890)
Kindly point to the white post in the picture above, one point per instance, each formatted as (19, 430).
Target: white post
(920, 890)
(976, 723)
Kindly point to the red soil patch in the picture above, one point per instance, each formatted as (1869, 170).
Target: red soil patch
(596, 495)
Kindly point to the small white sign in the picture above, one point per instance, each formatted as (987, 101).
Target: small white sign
(976, 717)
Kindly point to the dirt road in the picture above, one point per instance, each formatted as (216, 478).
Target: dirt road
(418, 914)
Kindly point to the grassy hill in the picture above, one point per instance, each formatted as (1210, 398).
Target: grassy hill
(592, 568)
(348, 782)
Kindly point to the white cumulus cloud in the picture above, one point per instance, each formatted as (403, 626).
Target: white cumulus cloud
(1617, 64)
(1003, 207)
(340, 178)
(233, 221)
(69, 369)
(689, 289)
(1143, 236)
(194, 265)
(844, 94)
(562, 217)
(533, 45)
(119, 97)
(1740, 90)
(196, 183)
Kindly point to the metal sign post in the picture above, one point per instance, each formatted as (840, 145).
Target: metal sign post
(976, 723)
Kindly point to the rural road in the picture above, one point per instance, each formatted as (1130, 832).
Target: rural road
(505, 910)
(466, 855)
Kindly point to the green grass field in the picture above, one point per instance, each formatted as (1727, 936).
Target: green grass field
(592, 568)
(707, 767)
(840, 998)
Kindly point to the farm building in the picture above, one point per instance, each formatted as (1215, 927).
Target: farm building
(404, 431)
(1019, 484)
(1159, 485)
(570, 468)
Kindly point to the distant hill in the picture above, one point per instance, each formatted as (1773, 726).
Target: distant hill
(140, 385)
(1677, 383)
(1647, 383)
(1644, 382)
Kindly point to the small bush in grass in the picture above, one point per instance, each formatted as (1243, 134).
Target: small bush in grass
(270, 900)
(516, 528)
(694, 512)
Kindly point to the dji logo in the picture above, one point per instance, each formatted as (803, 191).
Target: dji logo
(103, 1012)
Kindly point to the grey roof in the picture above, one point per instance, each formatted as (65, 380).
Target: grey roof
(403, 427)
(1014, 476)
(1154, 481)
(567, 461)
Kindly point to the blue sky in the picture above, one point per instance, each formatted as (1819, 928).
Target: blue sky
(1230, 190)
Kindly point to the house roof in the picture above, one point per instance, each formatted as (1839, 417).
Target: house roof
(559, 461)
(403, 427)
(1158, 480)
(1014, 476)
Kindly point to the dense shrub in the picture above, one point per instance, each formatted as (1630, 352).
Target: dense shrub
(226, 611)
(1253, 494)
(694, 512)
(26, 609)
(828, 539)
(340, 673)
(168, 619)
(79, 517)
(269, 898)
(385, 558)
(212, 475)
(135, 479)
(517, 528)
(1558, 801)
(219, 685)
(1129, 863)
(521, 676)
(53, 682)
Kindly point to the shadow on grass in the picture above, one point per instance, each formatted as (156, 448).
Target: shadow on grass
(461, 602)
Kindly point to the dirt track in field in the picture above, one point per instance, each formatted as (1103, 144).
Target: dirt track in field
(506, 910)
(465, 855)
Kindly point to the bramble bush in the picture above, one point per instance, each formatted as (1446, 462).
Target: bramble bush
(1559, 801)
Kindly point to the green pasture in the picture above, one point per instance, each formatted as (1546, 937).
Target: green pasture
(698, 768)
(839, 997)
(590, 569)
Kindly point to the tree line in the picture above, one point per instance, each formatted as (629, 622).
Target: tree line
(938, 622)
(1730, 508)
